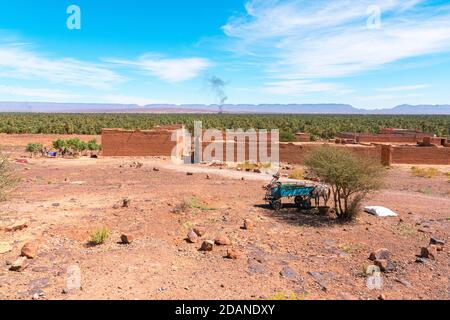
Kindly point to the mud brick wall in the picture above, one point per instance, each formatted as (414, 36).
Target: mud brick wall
(295, 153)
(385, 137)
(388, 138)
(116, 143)
(421, 155)
(234, 147)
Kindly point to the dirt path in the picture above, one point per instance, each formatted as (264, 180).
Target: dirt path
(63, 201)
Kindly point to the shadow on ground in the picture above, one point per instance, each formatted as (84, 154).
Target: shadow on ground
(292, 215)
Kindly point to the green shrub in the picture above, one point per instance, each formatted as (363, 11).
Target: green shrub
(93, 145)
(99, 236)
(350, 176)
(59, 144)
(34, 148)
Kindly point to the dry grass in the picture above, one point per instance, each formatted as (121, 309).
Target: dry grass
(287, 296)
(425, 172)
(192, 203)
(297, 174)
(251, 165)
(99, 236)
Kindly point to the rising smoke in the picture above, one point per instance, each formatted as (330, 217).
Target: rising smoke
(218, 88)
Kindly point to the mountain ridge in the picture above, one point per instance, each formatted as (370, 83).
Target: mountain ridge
(324, 108)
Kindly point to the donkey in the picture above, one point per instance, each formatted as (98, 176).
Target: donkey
(322, 190)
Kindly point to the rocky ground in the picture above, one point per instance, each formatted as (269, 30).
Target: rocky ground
(280, 255)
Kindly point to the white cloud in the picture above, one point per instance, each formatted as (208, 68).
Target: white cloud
(305, 39)
(170, 70)
(40, 93)
(404, 88)
(20, 62)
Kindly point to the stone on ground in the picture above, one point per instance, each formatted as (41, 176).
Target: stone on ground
(126, 238)
(207, 245)
(192, 237)
(30, 249)
(222, 240)
(19, 265)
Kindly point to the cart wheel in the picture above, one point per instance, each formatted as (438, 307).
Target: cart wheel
(276, 205)
(298, 201)
(303, 203)
(307, 204)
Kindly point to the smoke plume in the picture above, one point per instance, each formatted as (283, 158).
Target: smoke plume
(218, 88)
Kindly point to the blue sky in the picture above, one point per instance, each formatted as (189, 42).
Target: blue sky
(372, 54)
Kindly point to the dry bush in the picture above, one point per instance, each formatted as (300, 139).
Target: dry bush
(297, 174)
(350, 176)
(99, 236)
(8, 178)
(192, 203)
(425, 172)
(181, 207)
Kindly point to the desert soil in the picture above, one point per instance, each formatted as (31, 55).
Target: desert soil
(63, 200)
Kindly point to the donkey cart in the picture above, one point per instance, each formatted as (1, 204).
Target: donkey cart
(276, 191)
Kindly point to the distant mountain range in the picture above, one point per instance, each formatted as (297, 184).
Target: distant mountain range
(51, 107)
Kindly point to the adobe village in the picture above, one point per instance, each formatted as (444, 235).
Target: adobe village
(125, 222)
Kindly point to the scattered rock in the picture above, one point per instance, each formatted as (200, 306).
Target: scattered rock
(255, 267)
(126, 203)
(381, 297)
(19, 265)
(321, 278)
(232, 254)
(438, 243)
(429, 252)
(5, 247)
(248, 224)
(156, 169)
(200, 231)
(257, 171)
(126, 238)
(30, 250)
(381, 254)
(207, 245)
(192, 237)
(189, 173)
(403, 282)
(36, 286)
(17, 226)
(116, 206)
(222, 240)
(289, 273)
(421, 260)
(208, 177)
(385, 265)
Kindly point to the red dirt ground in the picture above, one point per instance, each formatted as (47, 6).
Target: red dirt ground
(63, 200)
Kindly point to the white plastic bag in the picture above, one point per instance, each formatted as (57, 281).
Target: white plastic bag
(380, 211)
